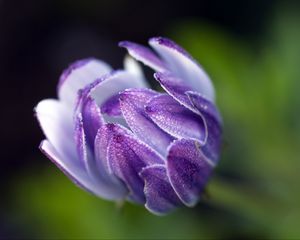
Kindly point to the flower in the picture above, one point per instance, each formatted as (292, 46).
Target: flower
(118, 139)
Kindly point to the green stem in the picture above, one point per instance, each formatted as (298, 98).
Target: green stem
(244, 199)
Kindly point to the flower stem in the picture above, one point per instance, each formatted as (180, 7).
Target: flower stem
(247, 200)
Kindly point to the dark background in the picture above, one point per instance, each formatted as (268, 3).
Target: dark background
(38, 39)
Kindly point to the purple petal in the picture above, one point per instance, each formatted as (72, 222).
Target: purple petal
(160, 196)
(78, 75)
(143, 54)
(100, 175)
(127, 156)
(106, 87)
(188, 170)
(175, 87)
(90, 114)
(111, 84)
(78, 174)
(103, 138)
(92, 120)
(81, 144)
(132, 104)
(204, 105)
(214, 125)
(181, 64)
(199, 105)
(175, 119)
(111, 106)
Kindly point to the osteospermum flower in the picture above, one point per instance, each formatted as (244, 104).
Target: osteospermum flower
(118, 139)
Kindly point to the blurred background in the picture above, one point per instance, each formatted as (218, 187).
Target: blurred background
(251, 49)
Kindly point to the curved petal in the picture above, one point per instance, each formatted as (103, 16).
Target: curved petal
(112, 84)
(111, 106)
(84, 150)
(175, 88)
(181, 64)
(175, 119)
(78, 75)
(107, 87)
(92, 120)
(188, 170)
(134, 67)
(204, 105)
(127, 156)
(100, 176)
(132, 102)
(103, 138)
(56, 122)
(199, 105)
(81, 143)
(144, 54)
(160, 196)
(77, 174)
(213, 120)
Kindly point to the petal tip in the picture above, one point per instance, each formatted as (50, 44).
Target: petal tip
(157, 39)
(73, 66)
(189, 170)
(42, 144)
(166, 42)
(123, 95)
(124, 44)
(149, 109)
(158, 75)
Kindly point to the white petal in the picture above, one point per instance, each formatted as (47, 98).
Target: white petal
(56, 122)
(182, 65)
(134, 67)
(78, 75)
(78, 175)
(115, 83)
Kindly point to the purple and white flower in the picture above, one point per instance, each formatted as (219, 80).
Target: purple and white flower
(118, 139)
